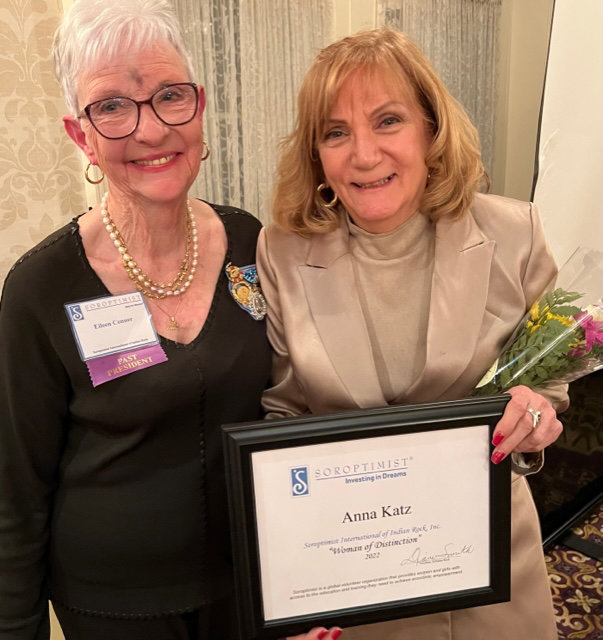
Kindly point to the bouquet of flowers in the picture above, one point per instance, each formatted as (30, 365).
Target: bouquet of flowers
(561, 337)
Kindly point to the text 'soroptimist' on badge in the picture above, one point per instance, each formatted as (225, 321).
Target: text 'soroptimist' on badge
(115, 335)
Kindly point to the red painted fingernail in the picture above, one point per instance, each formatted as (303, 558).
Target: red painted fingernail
(322, 634)
(336, 633)
(498, 456)
(498, 438)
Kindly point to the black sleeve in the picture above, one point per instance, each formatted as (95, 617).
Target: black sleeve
(33, 407)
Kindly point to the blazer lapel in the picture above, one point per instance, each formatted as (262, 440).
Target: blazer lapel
(330, 288)
(459, 290)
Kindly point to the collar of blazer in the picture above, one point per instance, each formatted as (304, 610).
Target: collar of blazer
(459, 291)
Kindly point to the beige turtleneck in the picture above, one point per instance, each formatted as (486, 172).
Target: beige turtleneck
(393, 276)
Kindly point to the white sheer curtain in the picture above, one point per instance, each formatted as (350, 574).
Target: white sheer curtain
(250, 55)
(460, 37)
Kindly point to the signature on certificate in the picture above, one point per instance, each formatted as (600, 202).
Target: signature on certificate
(449, 552)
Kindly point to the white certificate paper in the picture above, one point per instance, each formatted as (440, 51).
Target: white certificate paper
(372, 520)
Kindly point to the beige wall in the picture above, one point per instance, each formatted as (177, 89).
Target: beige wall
(353, 15)
(55, 629)
(569, 193)
(524, 36)
(40, 168)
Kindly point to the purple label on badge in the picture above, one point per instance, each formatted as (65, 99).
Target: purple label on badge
(120, 364)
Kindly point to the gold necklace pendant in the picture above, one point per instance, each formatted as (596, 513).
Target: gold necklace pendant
(173, 324)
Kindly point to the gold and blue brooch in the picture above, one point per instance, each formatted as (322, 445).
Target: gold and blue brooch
(243, 284)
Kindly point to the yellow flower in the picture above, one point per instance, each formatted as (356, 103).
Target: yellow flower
(538, 320)
(535, 312)
(565, 320)
(532, 323)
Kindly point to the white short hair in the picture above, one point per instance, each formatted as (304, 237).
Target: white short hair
(95, 30)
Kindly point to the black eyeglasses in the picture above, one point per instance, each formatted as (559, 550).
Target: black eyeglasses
(118, 117)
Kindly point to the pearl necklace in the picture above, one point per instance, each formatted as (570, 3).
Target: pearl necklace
(144, 283)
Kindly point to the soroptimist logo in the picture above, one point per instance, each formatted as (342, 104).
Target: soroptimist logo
(76, 312)
(299, 482)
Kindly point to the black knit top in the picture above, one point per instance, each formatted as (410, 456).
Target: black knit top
(112, 499)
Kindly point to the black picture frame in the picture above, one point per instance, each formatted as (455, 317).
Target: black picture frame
(243, 439)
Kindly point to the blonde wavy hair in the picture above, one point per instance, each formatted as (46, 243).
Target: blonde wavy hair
(453, 159)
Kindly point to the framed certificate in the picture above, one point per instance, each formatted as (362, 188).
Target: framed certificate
(365, 516)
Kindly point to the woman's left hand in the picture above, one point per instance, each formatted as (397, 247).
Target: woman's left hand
(529, 423)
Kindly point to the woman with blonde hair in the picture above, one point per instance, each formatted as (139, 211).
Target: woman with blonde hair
(391, 280)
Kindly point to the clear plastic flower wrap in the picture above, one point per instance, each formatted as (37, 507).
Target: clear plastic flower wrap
(560, 339)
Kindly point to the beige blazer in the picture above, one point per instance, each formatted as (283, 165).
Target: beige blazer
(489, 267)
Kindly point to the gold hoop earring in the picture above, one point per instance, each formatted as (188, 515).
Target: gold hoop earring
(89, 179)
(207, 151)
(329, 205)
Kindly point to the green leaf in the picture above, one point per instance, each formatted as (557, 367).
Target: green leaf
(560, 296)
(567, 311)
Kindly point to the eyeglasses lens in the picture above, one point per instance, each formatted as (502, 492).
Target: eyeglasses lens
(175, 104)
(118, 117)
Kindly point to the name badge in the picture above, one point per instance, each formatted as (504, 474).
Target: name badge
(115, 335)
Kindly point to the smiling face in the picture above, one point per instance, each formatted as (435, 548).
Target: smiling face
(373, 152)
(157, 162)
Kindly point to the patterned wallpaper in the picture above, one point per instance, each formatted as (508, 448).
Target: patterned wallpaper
(41, 180)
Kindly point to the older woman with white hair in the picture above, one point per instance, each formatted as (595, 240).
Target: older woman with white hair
(128, 337)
